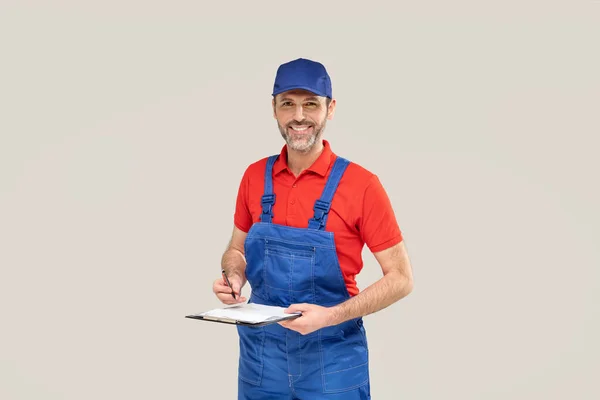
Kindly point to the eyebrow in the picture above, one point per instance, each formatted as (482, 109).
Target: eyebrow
(311, 98)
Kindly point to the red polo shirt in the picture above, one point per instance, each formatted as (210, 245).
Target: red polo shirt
(361, 212)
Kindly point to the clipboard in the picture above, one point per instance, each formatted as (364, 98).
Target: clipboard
(248, 314)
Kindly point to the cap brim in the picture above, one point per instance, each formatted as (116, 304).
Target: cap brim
(285, 89)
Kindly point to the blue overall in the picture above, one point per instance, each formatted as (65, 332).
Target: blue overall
(287, 265)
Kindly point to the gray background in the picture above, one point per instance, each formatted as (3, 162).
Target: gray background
(125, 128)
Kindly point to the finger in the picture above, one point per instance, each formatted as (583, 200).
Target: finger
(227, 298)
(297, 308)
(226, 294)
(219, 284)
(222, 290)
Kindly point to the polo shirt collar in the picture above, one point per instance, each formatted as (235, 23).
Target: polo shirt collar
(320, 166)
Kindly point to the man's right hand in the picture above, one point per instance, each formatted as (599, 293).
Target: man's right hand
(223, 291)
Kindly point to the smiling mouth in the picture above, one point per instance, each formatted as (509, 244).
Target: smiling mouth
(300, 128)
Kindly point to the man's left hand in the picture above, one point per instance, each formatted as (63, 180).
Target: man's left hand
(313, 317)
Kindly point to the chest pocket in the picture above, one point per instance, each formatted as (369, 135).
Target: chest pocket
(289, 272)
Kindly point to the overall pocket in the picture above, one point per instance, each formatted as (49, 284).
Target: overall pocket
(344, 359)
(289, 272)
(252, 341)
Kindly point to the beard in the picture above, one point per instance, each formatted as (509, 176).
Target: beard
(302, 142)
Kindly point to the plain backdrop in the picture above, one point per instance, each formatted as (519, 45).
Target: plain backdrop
(125, 127)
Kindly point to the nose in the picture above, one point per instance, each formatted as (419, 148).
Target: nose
(299, 114)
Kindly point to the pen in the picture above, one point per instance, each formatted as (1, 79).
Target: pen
(228, 283)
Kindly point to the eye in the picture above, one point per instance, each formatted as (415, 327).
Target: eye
(286, 104)
(311, 104)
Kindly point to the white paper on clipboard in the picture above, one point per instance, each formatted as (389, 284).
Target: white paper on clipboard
(247, 313)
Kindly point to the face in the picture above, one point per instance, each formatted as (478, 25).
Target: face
(301, 117)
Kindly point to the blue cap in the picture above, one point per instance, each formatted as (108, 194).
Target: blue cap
(302, 74)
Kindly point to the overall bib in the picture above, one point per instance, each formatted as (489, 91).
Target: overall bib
(287, 265)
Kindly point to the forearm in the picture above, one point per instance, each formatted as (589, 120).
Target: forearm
(389, 289)
(234, 263)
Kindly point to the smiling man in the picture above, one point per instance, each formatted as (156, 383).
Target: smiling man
(301, 221)
(301, 131)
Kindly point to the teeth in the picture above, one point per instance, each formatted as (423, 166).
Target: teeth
(300, 128)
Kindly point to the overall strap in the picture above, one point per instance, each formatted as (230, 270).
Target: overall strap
(322, 205)
(268, 198)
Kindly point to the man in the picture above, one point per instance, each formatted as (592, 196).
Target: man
(302, 218)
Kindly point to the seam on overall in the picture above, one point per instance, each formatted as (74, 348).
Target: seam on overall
(312, 278)
(265, 238)
(299, 357)
(291, 228)
(339, 273)
(322, 362)
(290, 278)
(348, 388)
(345, 369)
(287, 358)
(288, 290)
(273, 251)
(264, 267)
(290, 375)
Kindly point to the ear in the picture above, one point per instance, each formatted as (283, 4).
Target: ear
(273, 105)
(331, 109)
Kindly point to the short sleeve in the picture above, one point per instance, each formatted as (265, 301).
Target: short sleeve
(378, 225)
(242, 217)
